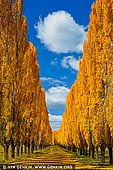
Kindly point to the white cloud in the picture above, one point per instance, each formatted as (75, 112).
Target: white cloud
(56, 97)
(64, 78)
(55, 121)
(54, 62)
(52, 81)
(60, 33)
(70, 62)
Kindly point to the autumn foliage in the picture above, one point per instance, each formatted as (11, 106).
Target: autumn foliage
(88, 118)
(23, 113)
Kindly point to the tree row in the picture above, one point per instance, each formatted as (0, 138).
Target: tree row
(88, 118)
(23, 112)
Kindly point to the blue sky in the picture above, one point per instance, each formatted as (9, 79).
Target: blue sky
(57, 28)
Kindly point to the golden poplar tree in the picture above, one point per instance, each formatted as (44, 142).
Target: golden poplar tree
(45, 132)
(20, 87)
(90, 108)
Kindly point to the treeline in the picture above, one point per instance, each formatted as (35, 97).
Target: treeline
(23, 113)
(88, 118)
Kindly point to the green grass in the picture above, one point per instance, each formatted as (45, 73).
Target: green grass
(82, 159)
(89, 161)
(22, 157)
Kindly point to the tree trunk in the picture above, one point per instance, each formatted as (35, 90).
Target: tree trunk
(28, 148)
(89, 152)
(69, 148)
(25, 149)
(81, 151)
(22, 149)
(102, 153)
(93, 151)
(17, 149)
(86, 151)
(32, 146)
(36, 147)
(78, 151)
(74, 148)
(6, 148)
(110, 155)
(12, 149)
(96, 151)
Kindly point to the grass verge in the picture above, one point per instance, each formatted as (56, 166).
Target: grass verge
(85, 160)
(24, 157)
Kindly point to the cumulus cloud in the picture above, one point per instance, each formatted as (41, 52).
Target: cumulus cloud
(52, 81)
(56, 97)
(70, 62)
(61, 33)
(55, 121)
